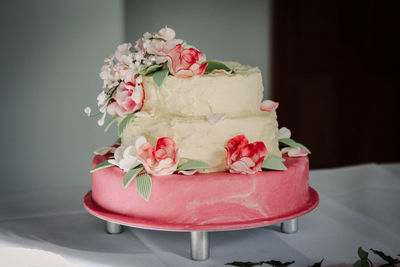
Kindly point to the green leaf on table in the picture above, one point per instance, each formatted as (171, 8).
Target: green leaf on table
(143, 185)
(101, 165)
(244, 263)
(122, 125)
(113, 119)
(385, 257)
(290, 142)
(317, 264)
(273, 162)
(278, 263)
(363, 261)
(159, 76)
(130, 175)
(193, 165)
(217, 65)
(150, 69)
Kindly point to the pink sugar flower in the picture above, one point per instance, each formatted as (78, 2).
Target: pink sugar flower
(128, 99)
(243, 157)
(269, 105)
(186, 62)
(160, 161)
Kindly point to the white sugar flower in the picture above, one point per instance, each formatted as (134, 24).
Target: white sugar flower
(126, 157)
(284, 133)
(138, 56)
(109, 75)
(166, 33)
(102, 101)
(294, 152)
(123, 50)
(147, 35)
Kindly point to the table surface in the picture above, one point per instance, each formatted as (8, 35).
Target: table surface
(359, 206)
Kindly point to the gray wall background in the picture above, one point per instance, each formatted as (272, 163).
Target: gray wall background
(52, 51)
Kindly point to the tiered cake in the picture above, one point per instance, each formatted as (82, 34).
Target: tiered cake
(198, 146)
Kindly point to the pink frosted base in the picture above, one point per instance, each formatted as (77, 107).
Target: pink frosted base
(204, 202)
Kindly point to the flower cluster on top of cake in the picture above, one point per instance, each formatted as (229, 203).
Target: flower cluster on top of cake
(159, 55)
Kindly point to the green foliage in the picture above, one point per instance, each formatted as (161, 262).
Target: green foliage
(159, 76)
(143, 185)
(101, 165)
(112, 120)
(130, 175)
(292, 143)
(150, 69)
(363, 261)
(273, 162)
(122, 125)
(193, 165)
(217, 65)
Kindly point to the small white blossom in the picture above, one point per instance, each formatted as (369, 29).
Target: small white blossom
(101, 99)
(88, 110)
(284, 133)
(109, 75)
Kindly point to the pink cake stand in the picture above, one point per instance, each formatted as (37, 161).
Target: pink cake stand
(199, 233)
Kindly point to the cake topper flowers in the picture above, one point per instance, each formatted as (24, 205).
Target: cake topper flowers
(139, 160)
(158, 54)
(249, 158)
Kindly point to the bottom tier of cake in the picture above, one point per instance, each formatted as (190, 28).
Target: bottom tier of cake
(207, 199)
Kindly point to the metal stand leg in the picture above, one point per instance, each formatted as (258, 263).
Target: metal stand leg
(289, 227)
(200, 248)
(113, 228)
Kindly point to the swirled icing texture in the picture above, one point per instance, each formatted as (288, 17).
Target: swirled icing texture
(179, 110)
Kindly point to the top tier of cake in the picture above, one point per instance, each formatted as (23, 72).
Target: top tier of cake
(235, 94)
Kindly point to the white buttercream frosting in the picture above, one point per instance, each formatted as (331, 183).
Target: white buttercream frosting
(181, 109)
(235, 94)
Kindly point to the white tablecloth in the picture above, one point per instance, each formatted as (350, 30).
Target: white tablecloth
(359, 206)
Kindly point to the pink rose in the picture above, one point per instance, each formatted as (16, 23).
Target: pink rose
(185, 62)
(243, 157)
(128, 99)
(160, 161)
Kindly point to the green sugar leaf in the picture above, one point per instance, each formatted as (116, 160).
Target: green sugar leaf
(290, 142)
(159, 76)
(130, 175)
(273, 162)
(114, 118)
(143, 185)
(122, 125)
(101, 165)
(193, 165)
(217, 65)
(150, 69)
